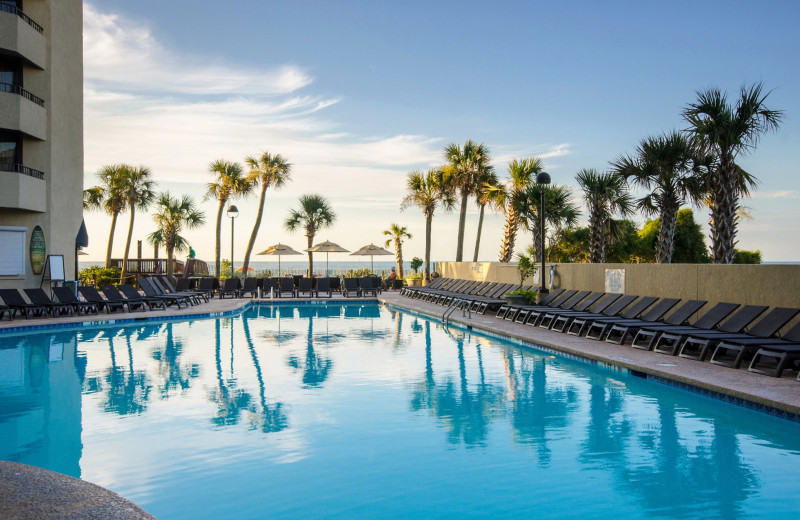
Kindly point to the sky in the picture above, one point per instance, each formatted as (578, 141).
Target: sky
(358, 94)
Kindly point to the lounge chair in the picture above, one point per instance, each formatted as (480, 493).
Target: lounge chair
(652, 315)
(776, 355)
(305, 285)
(112, 294)
(90, 294)
(583, 306)
(231, 287)
(14, 301)
(562, 319)
(250, 286)
(620, 330)
(578, 322)
(65, 295)
(351, 288)
(731, 351)
(411, 290)
(733, 325)
(37, 296)
(151, 291)
(164, 286)
(269, 287)
(286, 285)
(205, 285)
(324, 286)
(553, 299)
(132, 294)
(536, 313)
(492, 299)
(596, 327)
(6, 310)
(365, 285)
(664, 339)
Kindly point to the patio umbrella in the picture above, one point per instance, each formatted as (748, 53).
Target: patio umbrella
(279, 250)
(371, 251)
(327, 247)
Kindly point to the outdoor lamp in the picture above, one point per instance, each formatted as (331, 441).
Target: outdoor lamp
(542, 179)
(233, 212)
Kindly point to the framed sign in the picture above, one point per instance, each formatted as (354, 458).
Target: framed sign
(615, 281)
(38, 250)
(54, 268)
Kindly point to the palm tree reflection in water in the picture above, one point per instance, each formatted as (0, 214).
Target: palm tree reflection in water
(230, 399)
(174, 374)
(315, 367)
(268, 418)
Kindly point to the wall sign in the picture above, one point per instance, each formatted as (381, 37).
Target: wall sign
(615, 281)
(38, 250)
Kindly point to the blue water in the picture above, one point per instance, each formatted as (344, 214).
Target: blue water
(359, 411)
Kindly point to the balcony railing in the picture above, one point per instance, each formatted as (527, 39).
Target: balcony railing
(16, 89)
(11, 166)
(17, 11)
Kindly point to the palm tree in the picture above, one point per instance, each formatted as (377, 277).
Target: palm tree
(313, 215)
(397, 233)
(137, 188)
(107, 196)
(488, 192)
(666, 166)
(426, 191)
(229, 181)
(464, 165)
(725, 132)
(560, 211)
(605, 195)
(521, 173)
(268, 170)
(173, 216)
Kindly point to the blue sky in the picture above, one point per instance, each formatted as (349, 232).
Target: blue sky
(357, 94)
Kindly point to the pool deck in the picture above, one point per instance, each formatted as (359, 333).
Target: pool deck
(29, 492)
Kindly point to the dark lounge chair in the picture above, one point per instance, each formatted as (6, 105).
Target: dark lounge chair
(230, 287)
(596, 327)
(536, 314)
(654, 314)
(366, 286)
(552, 300)
(577, 322)
(112, 294)
(664, 339)
(269, 287)
(14, 301)
(323, 287)
(65, 295)
(351, 288)
(250, 286)
(305, 286)
(37, 296)
(563, 319)
(205, 285)
(620, 331)
(776, 355)
(90, 294)
(132, 294)
(164, 286)
(151, 291)
(286, 285)
(6, 310)
(548, 317)
(731, 351)
(733, 325)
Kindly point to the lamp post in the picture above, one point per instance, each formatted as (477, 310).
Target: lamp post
(233, 212)
(543, 179)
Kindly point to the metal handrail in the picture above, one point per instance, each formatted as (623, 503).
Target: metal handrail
(16, 89)
(11, 166)
(465, 311)
(17, 11)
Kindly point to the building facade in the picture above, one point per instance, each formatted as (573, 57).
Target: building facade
(41, 136)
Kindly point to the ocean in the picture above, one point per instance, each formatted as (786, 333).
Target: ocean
(294, 267)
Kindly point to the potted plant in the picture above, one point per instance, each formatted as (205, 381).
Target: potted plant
(415, 278)
(526, 269)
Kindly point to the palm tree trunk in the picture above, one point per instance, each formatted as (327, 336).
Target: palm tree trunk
(597, 238)
(509, 236)
(665, 244)
(256, 226)
(170, 252)
(726, 202)
(537, 240)
(127, 245)
(428, 222)
(310, 235)
(478, 237)
(217, 245)
(462, 220)
(398, 254)
(111, 239)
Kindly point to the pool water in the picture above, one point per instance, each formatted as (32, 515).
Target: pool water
(362, 411)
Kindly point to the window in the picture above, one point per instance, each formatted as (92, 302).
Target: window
(12, 251)
(10, 73)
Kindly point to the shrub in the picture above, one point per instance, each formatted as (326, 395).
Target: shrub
(416, 263)
(747, 257)
(98, 275)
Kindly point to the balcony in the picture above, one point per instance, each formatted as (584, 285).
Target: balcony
(23, 188)
(21, 36)
(23, 112)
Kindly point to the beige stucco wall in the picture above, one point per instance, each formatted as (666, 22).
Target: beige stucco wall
(17, 37)
(23, 115)
(773, 285)
(22, 191)
(60, 154)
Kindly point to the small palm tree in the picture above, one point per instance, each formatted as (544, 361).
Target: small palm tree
(560, 212)
(270, 171)
(426, 191)
(726, 131)
(229, 182)
(667, 167)
(521, 174)
(605, 195)
(137, 188)
(172, 216)
(397, 233)
(464, 165)
(487, 193)
(314, 214)
(108, 197)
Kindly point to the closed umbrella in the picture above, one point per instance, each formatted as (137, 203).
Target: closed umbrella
(279, 250)
(327, 247)
(371, 251)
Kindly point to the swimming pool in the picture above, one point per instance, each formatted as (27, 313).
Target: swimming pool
(361, 411)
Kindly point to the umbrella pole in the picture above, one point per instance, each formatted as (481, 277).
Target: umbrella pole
(372, 264)
(279, 265)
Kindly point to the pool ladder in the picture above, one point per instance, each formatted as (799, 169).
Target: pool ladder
(466, 311)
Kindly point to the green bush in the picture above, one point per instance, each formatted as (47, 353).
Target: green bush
(530, 296)
(416, 263)
(747, 257)
(97, 276)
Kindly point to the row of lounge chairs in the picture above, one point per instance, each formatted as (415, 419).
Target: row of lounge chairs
(727, 334)
(284, 287)
(477, 296)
